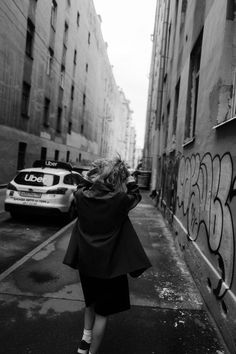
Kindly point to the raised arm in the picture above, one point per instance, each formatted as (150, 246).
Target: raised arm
(134, 196)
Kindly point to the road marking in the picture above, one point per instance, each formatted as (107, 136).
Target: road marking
(34, 251)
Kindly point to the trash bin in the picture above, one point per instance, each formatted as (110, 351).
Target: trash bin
(143, 179)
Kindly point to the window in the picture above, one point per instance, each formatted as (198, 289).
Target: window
(168, 42)
(167, 124)
(67, 156)
(82, 129)
(21, 155)
(41, 179)
(25, 99)
(69, 127)
(75, 57)
(72, 92)
(56, 155)
(183, 13)
(78, 18)
(193, 83)
(50, 61)
(89, 37)
(77, 179)
(68, 180)
(176, 105)
(59, 115)
(46, 112)
(29, 38)
(66, 30)
(62, 78)
(43, 155)
(64, 51)
(53, 14)
(80, 157)
(86, 68)
(230, 10)
(84, 99)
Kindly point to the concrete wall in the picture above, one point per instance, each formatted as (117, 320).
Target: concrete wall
(196, 177)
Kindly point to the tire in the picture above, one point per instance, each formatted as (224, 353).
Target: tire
(15, 215)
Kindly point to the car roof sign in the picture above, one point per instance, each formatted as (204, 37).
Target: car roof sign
(52, 164)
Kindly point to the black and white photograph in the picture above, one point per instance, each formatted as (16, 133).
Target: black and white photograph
(117, 176)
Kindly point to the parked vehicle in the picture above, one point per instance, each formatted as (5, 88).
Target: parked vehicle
(47, 187)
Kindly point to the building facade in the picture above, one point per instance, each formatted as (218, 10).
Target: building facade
(190, 142)
(58, 96)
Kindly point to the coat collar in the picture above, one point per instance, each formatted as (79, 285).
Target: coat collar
(99, 189)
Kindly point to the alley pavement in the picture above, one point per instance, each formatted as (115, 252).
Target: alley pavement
(41, 301)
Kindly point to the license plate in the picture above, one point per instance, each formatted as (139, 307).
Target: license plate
(30, 194)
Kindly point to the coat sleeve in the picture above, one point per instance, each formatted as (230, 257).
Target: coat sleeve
(72, 252)
(133, 194)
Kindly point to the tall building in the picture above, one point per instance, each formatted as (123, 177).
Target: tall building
(124, 132)
(58, 96)
(190, 142)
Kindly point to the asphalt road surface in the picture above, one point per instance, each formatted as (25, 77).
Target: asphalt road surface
(20, 236)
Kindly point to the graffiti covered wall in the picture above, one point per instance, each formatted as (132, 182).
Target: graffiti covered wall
(206, 215)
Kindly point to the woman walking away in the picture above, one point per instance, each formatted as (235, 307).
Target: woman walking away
(104, 246)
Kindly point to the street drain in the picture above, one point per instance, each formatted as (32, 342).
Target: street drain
(41, 277)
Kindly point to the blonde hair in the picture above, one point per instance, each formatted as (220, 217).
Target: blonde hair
(111, 172)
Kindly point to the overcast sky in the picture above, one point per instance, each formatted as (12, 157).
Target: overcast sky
(127, 26)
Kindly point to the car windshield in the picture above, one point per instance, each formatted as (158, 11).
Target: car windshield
(39, 179)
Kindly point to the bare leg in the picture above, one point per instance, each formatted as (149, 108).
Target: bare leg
(89, 317)
(98, 332)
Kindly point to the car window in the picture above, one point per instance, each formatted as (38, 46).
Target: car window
(39, 179)
(77, 178)
(68, 179)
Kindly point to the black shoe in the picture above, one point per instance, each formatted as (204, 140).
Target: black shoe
(83, 347)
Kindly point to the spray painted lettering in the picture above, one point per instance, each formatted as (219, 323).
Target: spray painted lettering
(205, 190)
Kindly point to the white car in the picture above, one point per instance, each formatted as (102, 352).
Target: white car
(48, 186)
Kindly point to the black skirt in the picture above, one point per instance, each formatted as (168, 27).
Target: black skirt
(108, 296)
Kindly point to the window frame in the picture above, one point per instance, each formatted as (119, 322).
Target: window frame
(193, 90)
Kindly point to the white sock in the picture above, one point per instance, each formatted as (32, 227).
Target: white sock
(87, 335)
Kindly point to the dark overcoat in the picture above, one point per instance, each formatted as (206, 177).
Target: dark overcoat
(103, 242)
